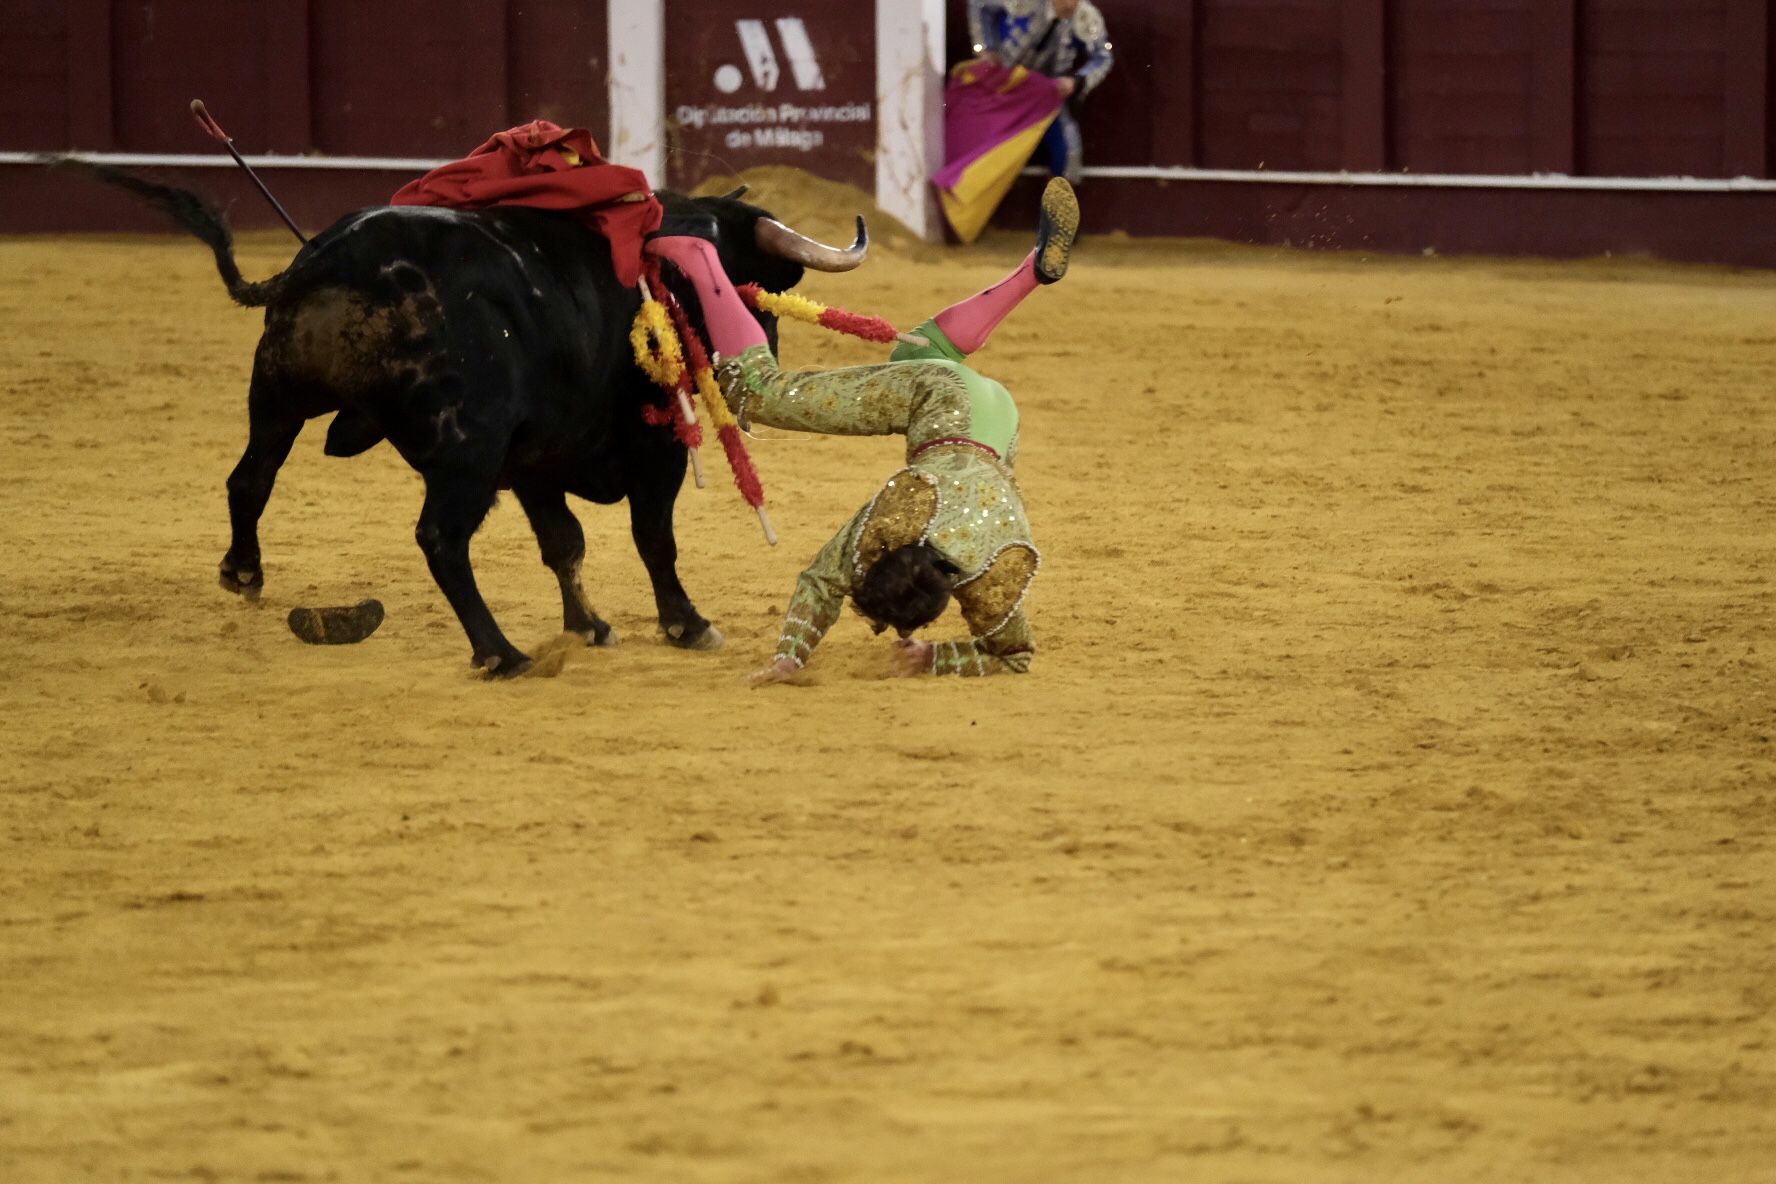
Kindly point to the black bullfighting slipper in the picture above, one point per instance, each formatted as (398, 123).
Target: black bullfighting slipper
(1055, 233)
(341, 625)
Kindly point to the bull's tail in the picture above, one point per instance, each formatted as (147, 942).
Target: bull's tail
(193, 213)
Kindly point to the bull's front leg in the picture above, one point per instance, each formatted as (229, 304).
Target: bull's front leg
(455, 505)
(650, 521)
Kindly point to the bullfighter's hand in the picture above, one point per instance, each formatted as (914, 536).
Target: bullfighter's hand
(911, 657)
(1066, 84)
(780, 670)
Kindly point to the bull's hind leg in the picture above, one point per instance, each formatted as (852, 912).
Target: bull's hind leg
(273, 425)
(650, 521)
(564, 548)
(455, 505)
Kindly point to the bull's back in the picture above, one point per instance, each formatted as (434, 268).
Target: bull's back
(440, 322)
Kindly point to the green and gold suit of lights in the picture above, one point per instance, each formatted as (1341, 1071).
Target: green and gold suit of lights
(954, 494)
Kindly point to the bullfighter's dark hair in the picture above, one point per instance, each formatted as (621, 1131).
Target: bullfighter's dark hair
(906, 589)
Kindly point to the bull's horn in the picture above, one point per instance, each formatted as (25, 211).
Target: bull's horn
(774, 238)
(736, 195)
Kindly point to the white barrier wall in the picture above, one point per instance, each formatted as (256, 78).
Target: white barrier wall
(638, 86)
(909, 111)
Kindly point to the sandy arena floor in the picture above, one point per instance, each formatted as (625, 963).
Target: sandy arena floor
(1390, 800)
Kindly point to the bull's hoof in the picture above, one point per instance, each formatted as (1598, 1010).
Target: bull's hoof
(599, 632)
(247, 582)
(706, 638)
(504, 666)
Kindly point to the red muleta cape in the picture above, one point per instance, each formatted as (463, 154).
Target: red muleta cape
(551, 168)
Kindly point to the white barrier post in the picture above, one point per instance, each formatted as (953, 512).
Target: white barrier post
(638, 86)
(909, 111)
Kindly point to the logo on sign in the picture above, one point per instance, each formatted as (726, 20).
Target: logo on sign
(759, 92)
(761, 57)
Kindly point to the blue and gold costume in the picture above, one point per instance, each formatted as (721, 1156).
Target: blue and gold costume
(1027, 33)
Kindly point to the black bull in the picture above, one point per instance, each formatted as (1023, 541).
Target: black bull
(492, 351)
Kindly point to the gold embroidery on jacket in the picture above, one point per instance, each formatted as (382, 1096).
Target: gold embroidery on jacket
(897, 517)
(989, 599)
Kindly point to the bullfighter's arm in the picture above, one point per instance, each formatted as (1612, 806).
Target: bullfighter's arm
(985, 19)
(993, 605)
(1007, 651)
(819, 596)
(1094, 36)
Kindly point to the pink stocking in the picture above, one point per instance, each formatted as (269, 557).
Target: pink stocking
(970, 323)
(732, 328)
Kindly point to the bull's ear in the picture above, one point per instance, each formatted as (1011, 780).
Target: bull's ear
(736, 195)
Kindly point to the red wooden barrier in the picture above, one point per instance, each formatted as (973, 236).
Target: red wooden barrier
(423, 78)
(1595, 87)
(1581, 87)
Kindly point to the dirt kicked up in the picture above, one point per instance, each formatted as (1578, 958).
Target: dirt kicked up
(1390, 798)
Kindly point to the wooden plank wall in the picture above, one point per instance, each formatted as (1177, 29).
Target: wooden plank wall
(1463, 89)
(1652, 86)
(1589, 87)
(428, 78)
(1593, 87)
